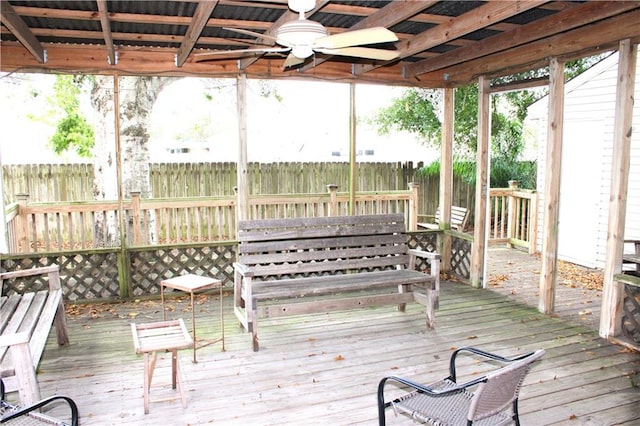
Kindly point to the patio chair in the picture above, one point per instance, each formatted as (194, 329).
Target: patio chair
(17, 416)
(491, 399)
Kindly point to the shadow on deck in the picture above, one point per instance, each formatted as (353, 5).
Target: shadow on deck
(323, 369)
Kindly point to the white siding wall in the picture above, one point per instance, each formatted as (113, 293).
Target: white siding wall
(585, 185)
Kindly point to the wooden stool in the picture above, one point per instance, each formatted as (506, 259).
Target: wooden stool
(161, 336)
(191, 283)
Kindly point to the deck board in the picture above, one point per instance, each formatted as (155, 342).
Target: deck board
(324, 368)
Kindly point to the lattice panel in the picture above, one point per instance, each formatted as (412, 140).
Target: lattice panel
(427, 241)
(631, 313)
(149, 267)
(461, 257)
(84, 276)
(25, 284)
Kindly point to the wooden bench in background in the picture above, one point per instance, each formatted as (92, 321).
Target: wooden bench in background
(459, 219)
(25, 322)
(285, 266)
(632, 258)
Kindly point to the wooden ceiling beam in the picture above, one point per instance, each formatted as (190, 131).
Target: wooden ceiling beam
(469, 22)
(148, 38)
(197, 24)
(587, 40)
(103, 11)
(84, 59)
(566, 20)
(21, 31)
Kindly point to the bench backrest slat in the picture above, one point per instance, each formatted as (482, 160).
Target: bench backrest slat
(459, 217)
(324, 245)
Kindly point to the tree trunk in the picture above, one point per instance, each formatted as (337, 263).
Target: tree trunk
(137, 96)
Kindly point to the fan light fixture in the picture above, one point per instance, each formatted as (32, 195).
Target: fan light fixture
(301, 35)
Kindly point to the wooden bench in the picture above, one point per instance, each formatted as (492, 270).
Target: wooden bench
(286, 266)
(25, 322)
(459, 219)
(632, 258)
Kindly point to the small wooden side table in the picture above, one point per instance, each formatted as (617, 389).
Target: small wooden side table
(191, 284)
(161, 336)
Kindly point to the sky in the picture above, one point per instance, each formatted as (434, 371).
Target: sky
(306, 121)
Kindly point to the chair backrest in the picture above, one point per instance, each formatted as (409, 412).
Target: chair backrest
(501, 388)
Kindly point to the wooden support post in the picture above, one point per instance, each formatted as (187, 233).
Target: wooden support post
(242, 209)
(22, 228)
(613, 292)
(511, 216)
(135, 206)
(482, 185)
(353, 177)
(552, 187)
(446, 176)
(413, 206)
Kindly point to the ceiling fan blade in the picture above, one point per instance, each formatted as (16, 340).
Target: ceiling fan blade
(251, 33)
(363, 52)
(356, 38)
(292, 61)
(239, 53)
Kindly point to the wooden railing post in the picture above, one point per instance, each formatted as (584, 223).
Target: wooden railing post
(413, 206)
(22, 230)
(533, 224)
(135, 205)
(333, 199)
(512, 220)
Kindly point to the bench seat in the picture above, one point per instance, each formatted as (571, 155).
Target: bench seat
(25, 322)
(304, 265)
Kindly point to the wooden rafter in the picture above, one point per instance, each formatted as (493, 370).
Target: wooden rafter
(387, 16)
(199, 21)
(103, 11)
(469, 22)
(562, 21)
(604, 34)
(21, 31)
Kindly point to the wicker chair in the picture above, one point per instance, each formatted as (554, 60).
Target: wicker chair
(491, 399)
(18, 416)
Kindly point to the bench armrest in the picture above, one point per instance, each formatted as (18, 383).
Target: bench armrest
(242, 269)
(425, 254)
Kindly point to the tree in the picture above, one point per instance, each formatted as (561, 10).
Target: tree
(72, 131)
(417, 111)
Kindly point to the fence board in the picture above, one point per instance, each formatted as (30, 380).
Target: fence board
(74, 182)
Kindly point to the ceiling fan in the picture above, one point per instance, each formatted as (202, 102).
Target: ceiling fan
(302, 37)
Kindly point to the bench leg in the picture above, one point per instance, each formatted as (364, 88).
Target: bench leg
(402, 307)
(28, 387)
(149, 366)
(60, 323)
(432, 300)
(254, 332)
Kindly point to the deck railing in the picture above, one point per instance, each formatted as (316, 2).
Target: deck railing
(514, 216)
(50, 227)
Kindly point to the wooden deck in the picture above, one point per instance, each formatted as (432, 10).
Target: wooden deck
(324, 369)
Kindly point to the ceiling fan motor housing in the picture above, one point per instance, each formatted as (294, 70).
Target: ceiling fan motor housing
(300, 35)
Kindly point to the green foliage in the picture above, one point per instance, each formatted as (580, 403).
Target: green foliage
(73, 132)
(502, 171)
(416, 112)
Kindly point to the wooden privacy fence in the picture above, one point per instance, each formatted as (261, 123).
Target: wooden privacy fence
(74, 182)
(514, 216)
(48, 227)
